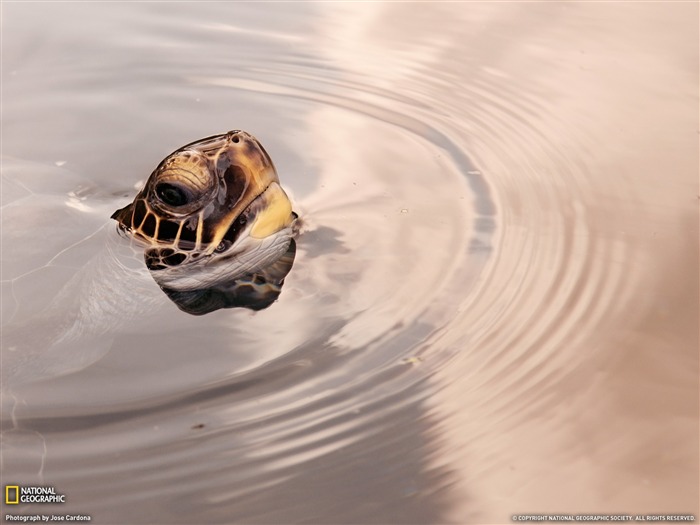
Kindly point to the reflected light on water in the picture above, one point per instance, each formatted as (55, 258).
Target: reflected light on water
(493, 307)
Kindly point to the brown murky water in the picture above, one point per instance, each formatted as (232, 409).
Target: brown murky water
(494, 306)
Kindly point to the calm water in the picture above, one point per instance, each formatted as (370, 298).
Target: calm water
(494, 304)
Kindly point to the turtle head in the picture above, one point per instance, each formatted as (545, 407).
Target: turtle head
(214, 200)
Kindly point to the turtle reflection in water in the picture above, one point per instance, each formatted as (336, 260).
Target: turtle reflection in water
(216, 226)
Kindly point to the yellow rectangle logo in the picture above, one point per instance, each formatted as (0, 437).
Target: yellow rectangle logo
(8, 499)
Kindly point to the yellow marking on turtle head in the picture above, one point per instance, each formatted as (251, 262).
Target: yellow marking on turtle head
(276, 214)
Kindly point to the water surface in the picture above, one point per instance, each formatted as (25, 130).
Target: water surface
(494, 304)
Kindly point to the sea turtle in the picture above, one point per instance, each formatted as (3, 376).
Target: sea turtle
(212, 222)
(215, 223)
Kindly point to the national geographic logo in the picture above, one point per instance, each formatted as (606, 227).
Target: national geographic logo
(14, 495)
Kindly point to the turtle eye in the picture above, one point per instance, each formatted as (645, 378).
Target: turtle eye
(172, 195)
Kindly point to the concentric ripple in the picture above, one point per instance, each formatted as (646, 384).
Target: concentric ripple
(474, 273)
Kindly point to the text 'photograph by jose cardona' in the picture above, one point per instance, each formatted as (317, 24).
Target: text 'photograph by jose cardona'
(349, 263)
